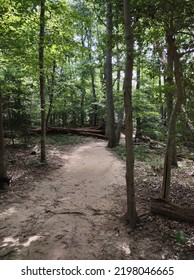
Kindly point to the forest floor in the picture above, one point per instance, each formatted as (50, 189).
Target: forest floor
(73, 207)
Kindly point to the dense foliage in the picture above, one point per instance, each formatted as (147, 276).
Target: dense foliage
(75, 47)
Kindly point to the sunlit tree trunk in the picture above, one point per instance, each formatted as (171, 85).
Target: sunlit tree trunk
(42, 80)
(92, 74)
(110, 124)
(82, 113)
(131, 201)
(120, 113)
(138, 133)
(173, 118)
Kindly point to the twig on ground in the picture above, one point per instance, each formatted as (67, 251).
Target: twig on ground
(65, 212)
(2, 228)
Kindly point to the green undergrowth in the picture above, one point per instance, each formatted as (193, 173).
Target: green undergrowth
(142, 153)
(66, 140)
(59, 140)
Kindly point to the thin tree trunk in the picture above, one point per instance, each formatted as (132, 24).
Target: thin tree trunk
(110, 125)
(10, 125)
(170, 96)
(94, 97)
(92, 74)
(170, 82)
(131, 201)
(82, 115)
(64, 119)
(160, 96)
(120, 113)
(173, 118)
(3, 172)
(138, 133)
(51, 94)
(42, 80)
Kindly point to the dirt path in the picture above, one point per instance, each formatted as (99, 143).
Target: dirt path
(73, 213)
(73, 209)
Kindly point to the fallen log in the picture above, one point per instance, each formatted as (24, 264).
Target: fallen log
(172, 211)
(89, 130)
(189, 156)
(97, 133)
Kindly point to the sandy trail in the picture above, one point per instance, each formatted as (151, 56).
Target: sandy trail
(73, 213)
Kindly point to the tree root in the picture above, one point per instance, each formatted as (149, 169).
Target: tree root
(65, 212)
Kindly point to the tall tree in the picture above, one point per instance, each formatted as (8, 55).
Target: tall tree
(177, 18)
(51, 93)
(138, 133)
(92, 74)
(120, 110)
(110, 125)
(3, 173)
(131, 201)
(170, 94)
(42, 79)
(173, 118)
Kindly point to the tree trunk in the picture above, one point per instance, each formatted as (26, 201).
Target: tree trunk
(170, 96)
(120, 114)
(92, 74)
(95, 108)
(11, 125)
(42, 80)
(82, 115)
(170, 82)
(3, 172)
(110, 125)
(173, 118)
(138, 133)
(51, 93)
(131, 201)
(162, 111)
(172, 211)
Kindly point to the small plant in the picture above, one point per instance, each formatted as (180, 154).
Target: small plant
(120, 150)
(181, 237)
(141, 152)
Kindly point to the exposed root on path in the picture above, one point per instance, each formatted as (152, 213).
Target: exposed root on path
(65, 212)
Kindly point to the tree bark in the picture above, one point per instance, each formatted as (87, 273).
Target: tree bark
(171, 210)
(51, 93)
(92, 74)
(138, 133)
(11, 125)
(110, 124)
(120, 113)
(173, 118)
(170, 96)
(82, 114)
(3, 171)
(42, 80)
(131, 201)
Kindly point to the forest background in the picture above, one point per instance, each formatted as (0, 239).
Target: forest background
(73, 64)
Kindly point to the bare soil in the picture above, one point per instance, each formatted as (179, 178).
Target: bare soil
(73, 209)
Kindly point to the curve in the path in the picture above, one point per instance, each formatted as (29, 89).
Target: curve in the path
(71, 213)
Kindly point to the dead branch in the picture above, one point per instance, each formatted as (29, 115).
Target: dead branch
(64, 212)
(172, 211)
